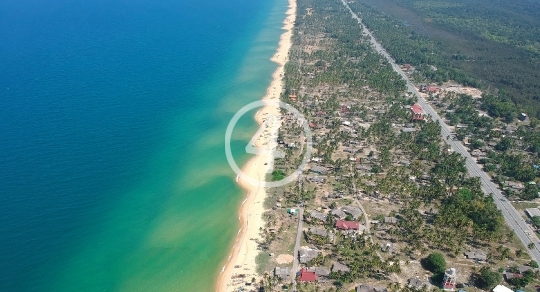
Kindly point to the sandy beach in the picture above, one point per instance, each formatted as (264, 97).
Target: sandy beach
(241, 260)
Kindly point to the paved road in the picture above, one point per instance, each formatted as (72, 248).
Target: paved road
(297, 245)
(512, 217)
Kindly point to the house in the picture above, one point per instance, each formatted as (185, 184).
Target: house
(353, 211)
(369, 288)
(415, 283)
(306, 276)
(390, 220)
(477, 153)
(282, 273)
(316, 159)
(319, 169)
(292, 96)
(349, 150)
(522, 117)
(318, 215)
(317, 179)
(339, 267)
(431, 89)
(363, 167)
(417, 113)
(507, 275)
(522, 269)
(319, 271)
(502, 288)
(510, 129)
(532, 212)
(478, 256)
(347, 225)
(408, 130)
(322, 232)
(514, 185)
(338, 213)
(307, 254)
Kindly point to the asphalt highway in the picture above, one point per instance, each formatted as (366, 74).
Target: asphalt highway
(521, 229)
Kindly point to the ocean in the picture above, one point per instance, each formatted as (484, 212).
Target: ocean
(113, 175)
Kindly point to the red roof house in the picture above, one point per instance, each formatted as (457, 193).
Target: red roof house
(418, 112)
(347, 225)
(432, 89)
(306, 276)
(292, 96)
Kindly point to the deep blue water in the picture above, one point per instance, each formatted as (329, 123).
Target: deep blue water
(88, 90)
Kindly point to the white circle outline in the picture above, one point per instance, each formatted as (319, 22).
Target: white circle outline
(232, 124)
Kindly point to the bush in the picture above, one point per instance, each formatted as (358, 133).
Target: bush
(277, 175)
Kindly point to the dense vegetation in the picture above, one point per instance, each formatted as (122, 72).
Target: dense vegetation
(479, 43)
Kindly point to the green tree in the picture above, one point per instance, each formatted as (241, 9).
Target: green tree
(536, 221)
(488, 278)
(505, 144)
(435, 262)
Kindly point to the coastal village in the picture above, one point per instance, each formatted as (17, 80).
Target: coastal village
(385, 204)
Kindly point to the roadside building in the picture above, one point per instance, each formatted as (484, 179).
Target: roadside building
(322, 232)
(306, 254)
(432, 89)
(355, 212)
(318, 215)
(347, 225)
(417, 113)
(282, 272)
(319, 271)
(307, 276)
(532, 212)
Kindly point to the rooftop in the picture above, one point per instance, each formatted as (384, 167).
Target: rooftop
(306, 276)
(502, 288)
(532, 212)
(353, 211)
(346, 225)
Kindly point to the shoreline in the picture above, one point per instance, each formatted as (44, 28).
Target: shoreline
(244, 250)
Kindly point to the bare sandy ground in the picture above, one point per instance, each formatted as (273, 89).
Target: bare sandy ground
(285, 259)
(242, 257)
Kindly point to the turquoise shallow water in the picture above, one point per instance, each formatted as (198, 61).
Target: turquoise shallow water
(112, 166)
